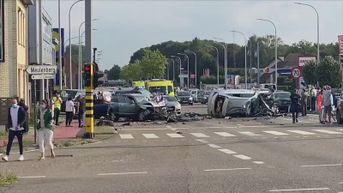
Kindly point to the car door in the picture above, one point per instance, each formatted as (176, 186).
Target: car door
(127, 105)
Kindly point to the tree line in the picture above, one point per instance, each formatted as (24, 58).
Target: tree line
(152, 61)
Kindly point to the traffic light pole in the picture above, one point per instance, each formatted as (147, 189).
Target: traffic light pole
(89, 83)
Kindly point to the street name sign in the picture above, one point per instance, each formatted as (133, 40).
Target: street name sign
(42, 69)
(42, 76)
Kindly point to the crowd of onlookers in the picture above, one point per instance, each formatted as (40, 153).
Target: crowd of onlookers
(314, 99)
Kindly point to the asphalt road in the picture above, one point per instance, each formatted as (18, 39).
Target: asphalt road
(241, 155)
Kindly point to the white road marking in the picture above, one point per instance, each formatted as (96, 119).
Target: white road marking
(243, 157)
(214, 146)
(321, 165)
(339, 129)
(248, 133)
(258, 162)
(228, 169)
(126, 136)
(201, 141)
(122, 173)
(227, 151)
(150, 136)
(301, 132)
(275, 133)
(175, 135)
(170, 127)
(31, 177)
(328, 131)
(200, 135)
(145, 129)
(224, 134)
(299, 189)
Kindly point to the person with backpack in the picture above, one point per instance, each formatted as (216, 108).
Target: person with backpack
(15, 127)
(45, 129)
(26, 108)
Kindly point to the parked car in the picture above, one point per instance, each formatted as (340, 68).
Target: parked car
(195, 94)
(185, 97)
(244, 102)
(172, 104)
(282, 100)
(135, 106)
(203, 96)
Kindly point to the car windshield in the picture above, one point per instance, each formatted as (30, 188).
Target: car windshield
(283, 95)
(158, 89)
(170, 99)
(184, 94)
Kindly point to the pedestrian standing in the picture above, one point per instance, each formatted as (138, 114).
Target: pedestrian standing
(82, 110)
(320, 106)
(15, 125)
(294, 106)
(22, 104)
(57, 101)
(45, 129)
(327, 102)
(303, 102)
(70, 108)
(314, 98)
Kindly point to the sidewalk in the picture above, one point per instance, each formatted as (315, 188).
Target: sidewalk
(63, 132)
(60, 132)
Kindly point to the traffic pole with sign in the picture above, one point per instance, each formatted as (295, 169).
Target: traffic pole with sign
(89, 75)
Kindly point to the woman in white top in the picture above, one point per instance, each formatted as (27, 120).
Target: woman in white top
(69, 111)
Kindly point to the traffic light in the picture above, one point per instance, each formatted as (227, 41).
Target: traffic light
(88, 75)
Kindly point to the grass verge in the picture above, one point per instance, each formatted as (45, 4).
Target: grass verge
(8, 179)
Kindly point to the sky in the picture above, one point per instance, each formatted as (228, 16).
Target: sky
(124, 26)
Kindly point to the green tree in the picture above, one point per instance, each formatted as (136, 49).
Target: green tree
(309, 73)
(153, 64)
(114, 73)
(328, 72)
(131, 71)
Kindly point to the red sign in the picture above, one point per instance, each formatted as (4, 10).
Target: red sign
(340, 44)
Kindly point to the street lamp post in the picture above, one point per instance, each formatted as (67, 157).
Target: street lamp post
(181, 54)
(70, 56)
(195, 68)
(210, 46)
(308, 5)
(225, 61)
(173, 61)
(276, 45)
(245, 57)
(180, 62)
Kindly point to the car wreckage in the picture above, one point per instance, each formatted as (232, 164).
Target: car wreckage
(222, 103)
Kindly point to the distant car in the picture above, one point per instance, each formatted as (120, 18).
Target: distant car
(282, 100)
(203, 96)
(185, 97)
(195, 94)
(134, 106)
(172, 104)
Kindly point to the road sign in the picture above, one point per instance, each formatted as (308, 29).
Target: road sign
(43, 76)
(42, 69)
(296, 72)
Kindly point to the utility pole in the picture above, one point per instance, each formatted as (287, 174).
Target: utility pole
(88, 58)
(258, 64)
(40, 58)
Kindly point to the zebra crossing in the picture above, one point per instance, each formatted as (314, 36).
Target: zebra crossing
(234, 134)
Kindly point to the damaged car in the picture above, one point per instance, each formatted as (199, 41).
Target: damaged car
(244, 102)
(131, 106)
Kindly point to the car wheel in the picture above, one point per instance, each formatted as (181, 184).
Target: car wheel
(113, 117)
(339, 118)
(142, 115)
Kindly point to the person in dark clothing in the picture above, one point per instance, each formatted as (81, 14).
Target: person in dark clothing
(82, 110)
(294, 106)
(16, 121)
(26, 108)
